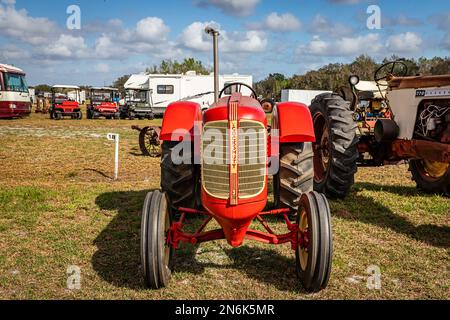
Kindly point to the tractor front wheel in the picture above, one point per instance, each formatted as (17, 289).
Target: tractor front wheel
(315, 242)
(156, 252)
(335, 149)
(295, 175)
(431, 177)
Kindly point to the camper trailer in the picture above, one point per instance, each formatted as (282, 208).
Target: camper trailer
(160, 90)
(14, 96)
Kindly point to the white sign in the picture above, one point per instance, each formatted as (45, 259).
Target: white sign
(115, 137)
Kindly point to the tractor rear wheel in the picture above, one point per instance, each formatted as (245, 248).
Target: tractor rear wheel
(295, 176)
(156, 253)
(181, 182)
(431, 177)
(314, 251)
(335, 149)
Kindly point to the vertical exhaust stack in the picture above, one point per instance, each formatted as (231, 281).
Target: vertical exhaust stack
(215, 34)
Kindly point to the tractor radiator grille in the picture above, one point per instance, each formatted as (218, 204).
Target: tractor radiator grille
(252, 159)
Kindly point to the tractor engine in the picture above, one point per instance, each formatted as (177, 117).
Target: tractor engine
(433, 121)
(234, 163)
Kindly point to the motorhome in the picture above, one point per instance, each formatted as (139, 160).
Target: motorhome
(160, 90)
(302, 96)
(15, 99)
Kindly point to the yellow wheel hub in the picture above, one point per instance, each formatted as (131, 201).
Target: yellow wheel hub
(435, 169)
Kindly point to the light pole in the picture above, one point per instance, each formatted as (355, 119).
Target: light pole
(215, 34)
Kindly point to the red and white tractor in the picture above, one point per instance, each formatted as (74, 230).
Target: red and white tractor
(393, 119)
(216, 164)
(65, 102)
(102, 103)
(14, 96)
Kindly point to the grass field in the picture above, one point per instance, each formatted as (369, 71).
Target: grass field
(60, 207)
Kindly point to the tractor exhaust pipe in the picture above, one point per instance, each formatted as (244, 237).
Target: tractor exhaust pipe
(215, 34)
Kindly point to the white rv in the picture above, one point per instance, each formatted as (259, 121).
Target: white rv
(163, 89)
(302, 96)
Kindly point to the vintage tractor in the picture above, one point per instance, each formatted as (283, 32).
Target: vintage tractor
(395, 118)
(103, 103)
(138, 104)
(216, 164)
(63, 105)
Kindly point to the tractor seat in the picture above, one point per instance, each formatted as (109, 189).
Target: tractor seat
(419, 82)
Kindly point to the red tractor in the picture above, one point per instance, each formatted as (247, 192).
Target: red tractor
(216, 164)
(103, 103)
(65, 102)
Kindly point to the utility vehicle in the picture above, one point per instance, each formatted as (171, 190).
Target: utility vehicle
(64, 104)
(102, 103)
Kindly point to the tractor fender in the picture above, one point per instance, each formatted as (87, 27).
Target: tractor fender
(182, 121)
(294, 122)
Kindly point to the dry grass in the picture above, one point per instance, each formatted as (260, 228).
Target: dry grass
(60, 207)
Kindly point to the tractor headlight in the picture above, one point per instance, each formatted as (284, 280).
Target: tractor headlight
(354, 80)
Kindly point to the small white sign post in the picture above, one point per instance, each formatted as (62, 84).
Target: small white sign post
(115, 137)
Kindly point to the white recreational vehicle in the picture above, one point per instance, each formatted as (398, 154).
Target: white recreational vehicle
(159, 90)
(302, 96)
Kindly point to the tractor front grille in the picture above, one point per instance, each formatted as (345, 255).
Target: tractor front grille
(252, 159)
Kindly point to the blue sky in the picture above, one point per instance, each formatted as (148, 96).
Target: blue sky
(258, 36)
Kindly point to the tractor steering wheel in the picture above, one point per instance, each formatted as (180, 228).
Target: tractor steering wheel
(394, 68)
(239, 84)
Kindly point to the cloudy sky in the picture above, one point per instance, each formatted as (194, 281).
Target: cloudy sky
(258, 37)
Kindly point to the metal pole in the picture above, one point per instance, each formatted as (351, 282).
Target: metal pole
(216, 66)
(215, 34)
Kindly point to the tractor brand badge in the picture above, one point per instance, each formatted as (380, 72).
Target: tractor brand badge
(234, 153)
(234, 146)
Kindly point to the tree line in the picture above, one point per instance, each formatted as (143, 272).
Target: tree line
(334, 76)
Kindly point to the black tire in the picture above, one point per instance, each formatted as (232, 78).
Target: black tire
(95, 115)
(57, 115)
(79, 115)
(156, 254)
(313, 263)
(439, 184)
(295, 176)
(335, 151)
(180, 182)
(131, 115)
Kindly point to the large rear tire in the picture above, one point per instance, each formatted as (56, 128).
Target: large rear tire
(315, 249)
(431, 177)
(295, 176)
(181, 182)
(335, 149)
(156, 253)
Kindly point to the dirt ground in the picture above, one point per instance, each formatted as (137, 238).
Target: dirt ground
(59, 207)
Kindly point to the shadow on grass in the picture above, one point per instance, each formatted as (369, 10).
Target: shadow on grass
(104, 175)
(367, 210)
(264, 265)
(117, 259)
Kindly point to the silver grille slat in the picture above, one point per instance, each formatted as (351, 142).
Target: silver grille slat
(216, 177)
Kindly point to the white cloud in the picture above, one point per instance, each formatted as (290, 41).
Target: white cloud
(152, 29)
(408, 42)
(65, 47)
(343, 47)
(278, 23)
(321, 24)
(102, 68)
(240, 8)
(194, 37)
(17, 24)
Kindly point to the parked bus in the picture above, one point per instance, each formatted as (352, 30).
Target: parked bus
(15, 99)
